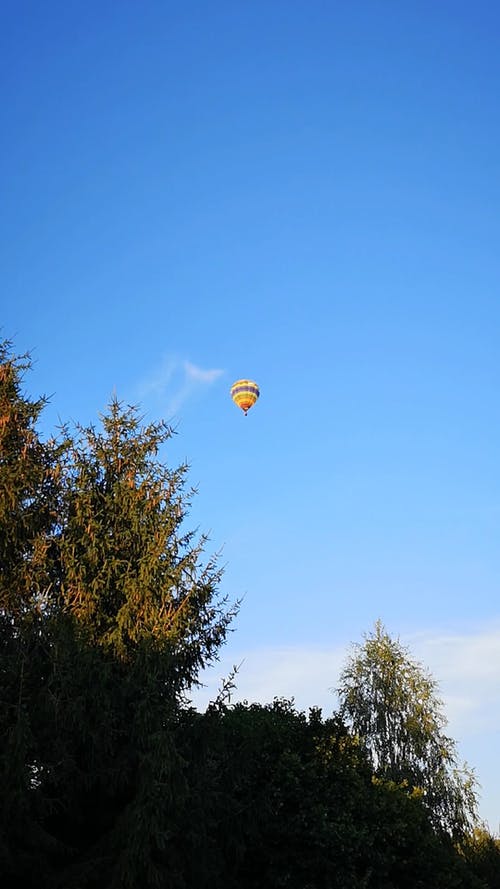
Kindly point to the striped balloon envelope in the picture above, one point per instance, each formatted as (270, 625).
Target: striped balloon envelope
(245, 393)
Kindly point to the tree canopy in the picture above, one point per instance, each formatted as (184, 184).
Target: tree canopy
(390, 701)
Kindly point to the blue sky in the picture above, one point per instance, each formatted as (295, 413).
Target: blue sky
(306, 194)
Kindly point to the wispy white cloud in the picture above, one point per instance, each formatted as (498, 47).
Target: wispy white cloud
(303, 673)
(199, 375)
(467, 669)
(174, 381)
(160, 379)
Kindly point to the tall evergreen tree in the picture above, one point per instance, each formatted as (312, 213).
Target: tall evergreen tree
(108, 612)
(133, 576)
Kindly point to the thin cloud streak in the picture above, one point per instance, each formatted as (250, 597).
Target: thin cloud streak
(174, 382)
(298, 672)
(467, 669)
(198, 375)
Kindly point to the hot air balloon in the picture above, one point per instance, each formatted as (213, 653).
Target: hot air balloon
(245, 393)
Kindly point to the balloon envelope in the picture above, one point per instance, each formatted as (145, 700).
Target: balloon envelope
(245, 393)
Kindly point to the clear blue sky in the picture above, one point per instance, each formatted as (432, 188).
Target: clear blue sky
(306, 193)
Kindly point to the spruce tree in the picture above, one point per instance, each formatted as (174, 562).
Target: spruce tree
(133, 576)
(108, 612)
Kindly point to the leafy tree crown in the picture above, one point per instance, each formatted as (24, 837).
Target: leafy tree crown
(391, 703)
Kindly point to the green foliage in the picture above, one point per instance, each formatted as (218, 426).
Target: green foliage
(273, 800)
(391, 704)
(276, 799)
(406, 848)
(481, 851)
(130, 574)
(29, 494)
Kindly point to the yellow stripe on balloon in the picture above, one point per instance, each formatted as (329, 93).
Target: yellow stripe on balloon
(244, 394)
